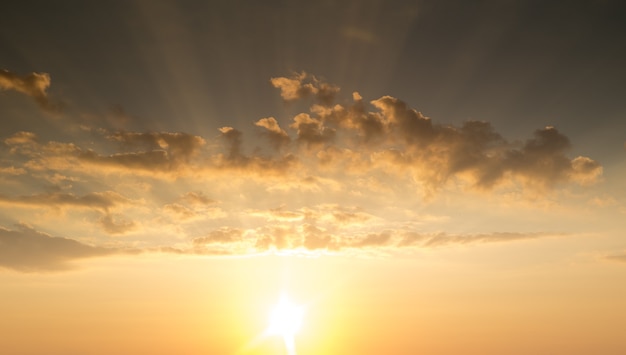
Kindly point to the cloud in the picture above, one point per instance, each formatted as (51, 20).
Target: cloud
(443, 239)
(180, 146)
(373, 240)
(193, 206)
(28, 250)
(222, 235)
(235, 159)
(117, 226)
(356, 138)
(619, 258)
(33, 85)
(309, 237)
(197, 198)
(311, 131)
(278, 138)
(103, 201)
(322, 168)
(164, 153)
(11, 171)
(303, 85)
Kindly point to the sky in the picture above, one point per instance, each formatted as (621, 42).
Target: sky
(421, 177)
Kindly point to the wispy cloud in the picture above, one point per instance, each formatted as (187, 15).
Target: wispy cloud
(103, 201)
(33, 85)
(617, 257)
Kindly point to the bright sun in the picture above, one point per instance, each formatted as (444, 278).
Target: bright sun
(285, 319)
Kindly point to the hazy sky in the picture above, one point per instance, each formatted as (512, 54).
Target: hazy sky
(436, 177)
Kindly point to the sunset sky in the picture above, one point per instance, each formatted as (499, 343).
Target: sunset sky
(417, 177)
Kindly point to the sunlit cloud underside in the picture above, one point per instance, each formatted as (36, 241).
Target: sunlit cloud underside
(345, 175)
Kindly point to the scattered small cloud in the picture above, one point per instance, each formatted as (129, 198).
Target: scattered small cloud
(327, 163)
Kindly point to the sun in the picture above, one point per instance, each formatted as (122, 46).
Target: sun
(285, 318)
(285, 321)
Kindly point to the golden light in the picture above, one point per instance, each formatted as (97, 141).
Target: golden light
(286, 320)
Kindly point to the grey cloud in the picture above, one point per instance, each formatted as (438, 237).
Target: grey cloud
(33, 85)
(28, 250)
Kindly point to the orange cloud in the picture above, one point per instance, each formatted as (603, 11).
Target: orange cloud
(303, 85)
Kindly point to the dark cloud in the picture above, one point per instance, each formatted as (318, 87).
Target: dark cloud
(33, 85)
(28, 250)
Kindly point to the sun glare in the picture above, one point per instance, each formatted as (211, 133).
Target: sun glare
(285, 321)
(285, 318)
